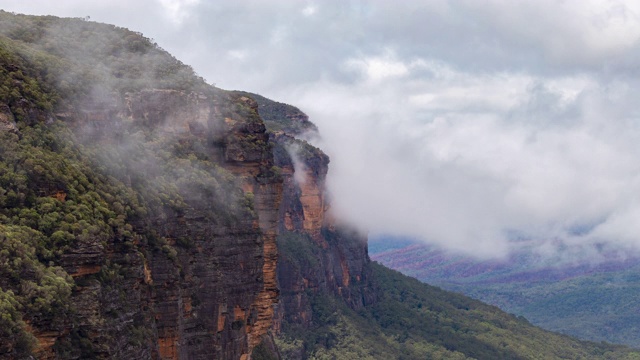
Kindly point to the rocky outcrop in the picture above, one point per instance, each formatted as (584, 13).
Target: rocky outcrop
(219, 298)
(248, 155)
(280, 117)
(7, 120)
(317, 255)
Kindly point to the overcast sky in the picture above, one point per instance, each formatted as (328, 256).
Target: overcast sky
(477, 125)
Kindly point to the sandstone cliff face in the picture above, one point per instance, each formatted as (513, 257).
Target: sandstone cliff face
(317, 256)
(196, 282)
(219, 298)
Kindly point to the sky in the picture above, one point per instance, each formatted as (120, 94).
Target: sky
(480, 126)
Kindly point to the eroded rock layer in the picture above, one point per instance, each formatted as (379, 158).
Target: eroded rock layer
(318, 256)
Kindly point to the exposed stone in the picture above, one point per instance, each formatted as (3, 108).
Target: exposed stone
(7, 120)
(341, 255)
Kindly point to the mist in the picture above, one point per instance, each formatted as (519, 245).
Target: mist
(482, 129)
(550, 166)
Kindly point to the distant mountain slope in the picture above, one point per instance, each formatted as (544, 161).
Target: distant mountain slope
(412, 320)
(591, 301)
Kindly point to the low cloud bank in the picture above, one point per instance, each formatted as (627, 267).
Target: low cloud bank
(484, 164)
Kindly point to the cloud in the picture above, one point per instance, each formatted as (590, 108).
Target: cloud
(299, 167)
(478, 126)
(565, 32)
(178, 10)
(483, 164)
(377, 68)
(309, 10)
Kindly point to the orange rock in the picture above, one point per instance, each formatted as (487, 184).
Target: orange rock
(86, 270)
(167, 347)
(186, 301)
(147, 274)
(60, 195)
(345, 272)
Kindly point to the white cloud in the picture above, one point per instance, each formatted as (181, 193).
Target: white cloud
(279, 35)
(376, 68)
(237, 54)
(309, 10)
(178, 10)
(569, 32)
(474, 159)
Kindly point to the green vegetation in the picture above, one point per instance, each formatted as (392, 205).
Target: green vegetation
(599, 306)
(299, 249)
(51, 200)
(81, 57)
(592, 301)
(412, 320)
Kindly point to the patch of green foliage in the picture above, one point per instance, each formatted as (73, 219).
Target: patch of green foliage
(299, 249)
(23, 79)
(94, 54)
(37, 226)
(412, 320)
(262, 352)
(600, 306)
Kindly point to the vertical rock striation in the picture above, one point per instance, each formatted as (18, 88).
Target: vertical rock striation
(317, 255)
(219, 298)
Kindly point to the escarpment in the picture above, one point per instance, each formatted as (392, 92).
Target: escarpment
(157, 204)
(150, 206)
(317, 255)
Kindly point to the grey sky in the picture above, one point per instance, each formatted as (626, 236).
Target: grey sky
(476, 125)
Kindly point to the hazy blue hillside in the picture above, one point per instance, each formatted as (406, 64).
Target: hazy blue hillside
(595, 301)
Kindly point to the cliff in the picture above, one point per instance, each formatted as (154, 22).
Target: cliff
(153, 208)
(318, 255)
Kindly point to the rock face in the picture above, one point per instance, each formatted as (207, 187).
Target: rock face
(7, 121)
(197, 285)
(217, 298)
(317, 256)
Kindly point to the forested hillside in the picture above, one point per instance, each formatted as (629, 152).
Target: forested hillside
(593, 299)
